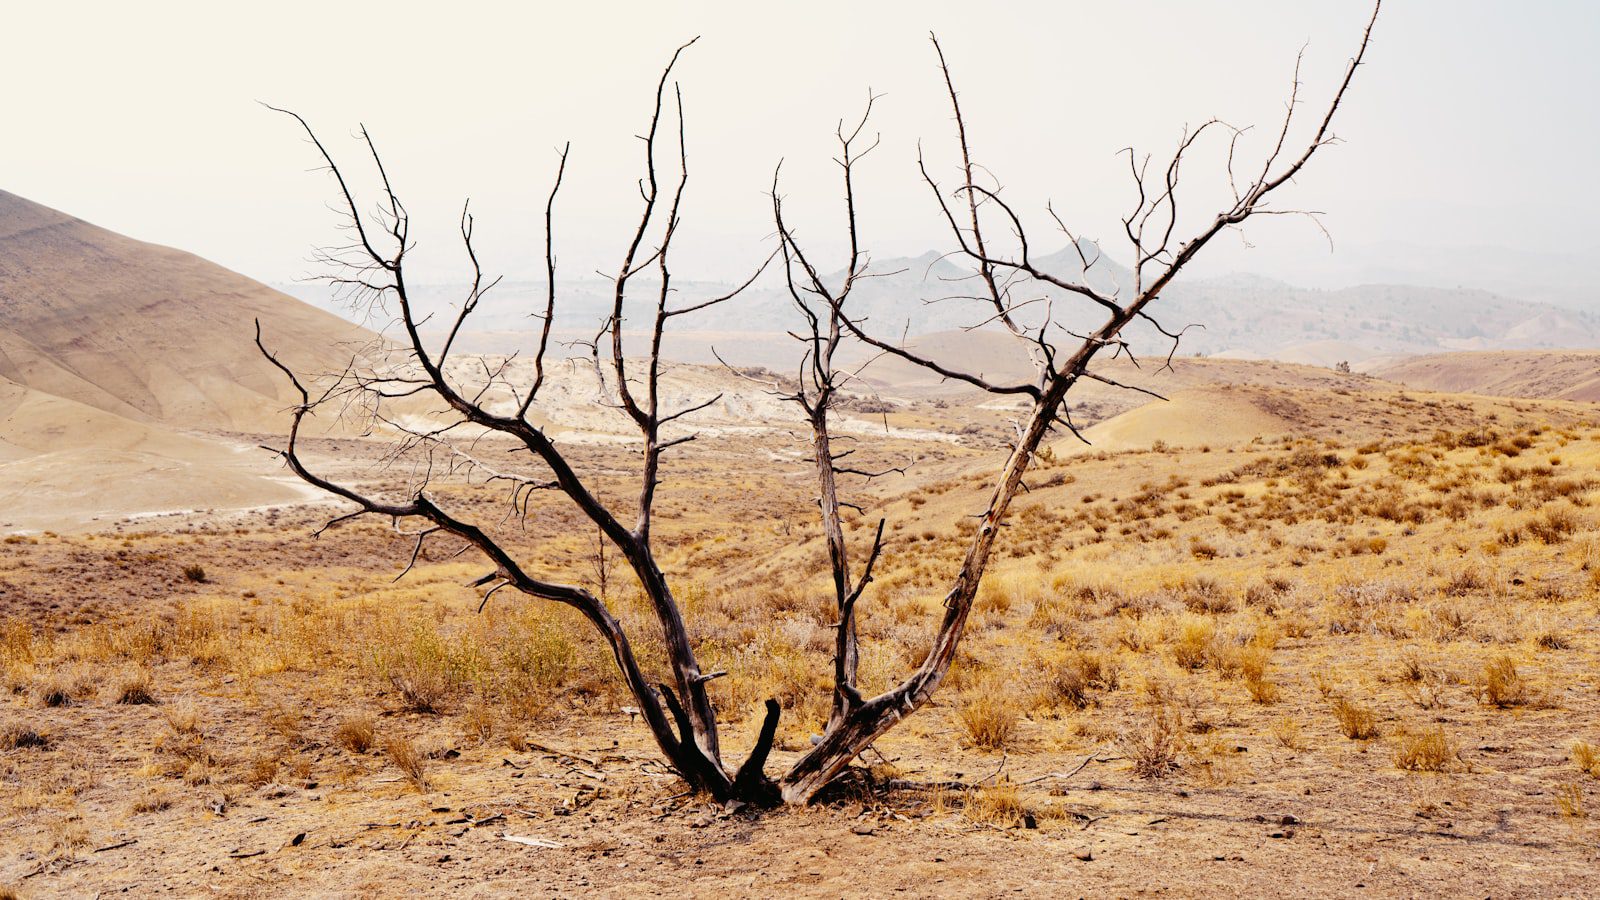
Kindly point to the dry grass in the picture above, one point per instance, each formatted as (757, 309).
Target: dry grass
(263, 769)
(1501, 685)
(356, 734)
(1288, 733)
(19, 736)
(134, 688)
(988, 717)
(403, 755)
(1569, 801)
(1356, 722)
(1587, 758)
(183, 718)
(1430, 750)
(1003, 806)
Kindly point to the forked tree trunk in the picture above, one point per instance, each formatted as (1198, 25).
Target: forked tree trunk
(866, 721)
(680, 715)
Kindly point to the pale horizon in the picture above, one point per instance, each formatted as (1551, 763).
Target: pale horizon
(1463, 162)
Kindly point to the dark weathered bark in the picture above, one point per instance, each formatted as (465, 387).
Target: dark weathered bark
(679, 713)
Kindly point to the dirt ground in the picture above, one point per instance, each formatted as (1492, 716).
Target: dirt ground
(1285, 827)
(1391, 579)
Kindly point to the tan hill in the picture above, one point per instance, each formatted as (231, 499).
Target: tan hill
(119, 360)
(1001, 358)
(146, 332)
(1546, 374)
(1193, 417)
(64, 465)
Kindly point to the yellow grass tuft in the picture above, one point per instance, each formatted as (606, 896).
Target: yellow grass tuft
(1501, 685)
(356, 734)
(1356, 722)
(1586, 757)
(988, 717)
(1424, 751)
(405, 757)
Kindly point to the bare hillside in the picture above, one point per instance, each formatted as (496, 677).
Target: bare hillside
(119, 363)
(1546, 374)
(143, 331)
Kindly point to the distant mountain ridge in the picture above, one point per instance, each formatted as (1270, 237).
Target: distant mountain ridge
(1239, 315)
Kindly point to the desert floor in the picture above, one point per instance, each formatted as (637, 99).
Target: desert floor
(1363, 661)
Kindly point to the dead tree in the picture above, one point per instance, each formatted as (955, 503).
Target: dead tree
(1013, 293)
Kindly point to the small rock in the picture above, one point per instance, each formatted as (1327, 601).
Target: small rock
(1085, 854)
(1289, 820)
(863, 828)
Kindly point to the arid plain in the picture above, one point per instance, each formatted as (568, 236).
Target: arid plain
(1289, 630)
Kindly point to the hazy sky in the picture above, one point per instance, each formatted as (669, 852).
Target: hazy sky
(1473, 123)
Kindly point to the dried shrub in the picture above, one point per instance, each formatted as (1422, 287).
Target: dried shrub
(424, 667)
(477, 723)
(405, 757)
(1501, 685)
(356, 734)
(1424, 751)
(133, 689)
(1356, 722)
(20, 736)
(1587, 758)
(1154, 748)
(1070, 679)
(1194, 643)
(1554, 525)
(988, 718)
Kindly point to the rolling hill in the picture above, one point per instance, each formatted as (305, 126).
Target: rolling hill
(1550, 375)
(147, 332)
(120, 361)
